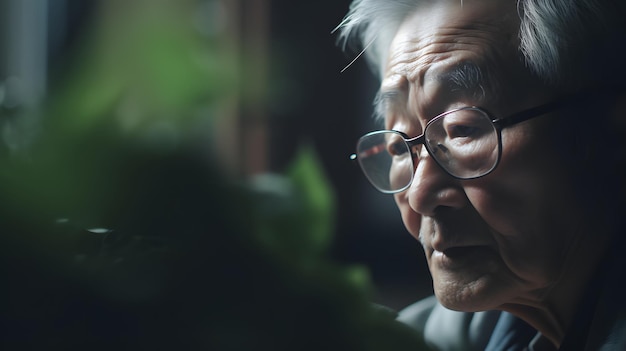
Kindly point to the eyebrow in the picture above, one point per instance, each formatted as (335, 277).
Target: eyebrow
(469, 79)
(385, 99)
(466, 78)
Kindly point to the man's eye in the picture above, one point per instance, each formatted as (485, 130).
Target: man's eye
(397, 148)
(463, 131)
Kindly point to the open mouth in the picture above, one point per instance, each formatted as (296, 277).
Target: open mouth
(455, 252)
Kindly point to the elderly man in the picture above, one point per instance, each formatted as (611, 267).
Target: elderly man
(502, 149)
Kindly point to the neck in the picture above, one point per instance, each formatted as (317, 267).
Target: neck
(552, 311)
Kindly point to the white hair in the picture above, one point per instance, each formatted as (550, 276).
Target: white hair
(561, 41)
(372, 24)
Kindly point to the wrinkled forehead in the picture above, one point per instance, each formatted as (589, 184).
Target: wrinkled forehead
(436, 26)
(470, 50)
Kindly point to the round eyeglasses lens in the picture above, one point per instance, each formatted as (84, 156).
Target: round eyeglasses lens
(464, 142)
(386, 160)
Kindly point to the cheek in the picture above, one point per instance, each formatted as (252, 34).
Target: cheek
(529, 206)
(531, 202)
(526, 238)
(499, 206)
(401, 171)
(411, 219)
(529, 187)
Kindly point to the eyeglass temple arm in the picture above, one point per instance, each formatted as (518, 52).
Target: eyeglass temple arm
(588, 94)
(531, 113)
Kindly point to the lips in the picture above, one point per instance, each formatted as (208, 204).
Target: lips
(454, 247)
(454, 233)
(462, 257)
(455, 252)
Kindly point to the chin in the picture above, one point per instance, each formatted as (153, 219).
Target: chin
(463, 305)
(471, 296)
(471, 280)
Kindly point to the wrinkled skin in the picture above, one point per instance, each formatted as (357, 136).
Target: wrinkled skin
(516, 238)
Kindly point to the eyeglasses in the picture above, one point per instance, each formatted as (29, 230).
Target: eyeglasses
(465, 142)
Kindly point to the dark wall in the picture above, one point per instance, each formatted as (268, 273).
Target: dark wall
(317, 102)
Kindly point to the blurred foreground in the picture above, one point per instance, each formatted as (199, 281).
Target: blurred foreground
(125, 223)
(188, 261)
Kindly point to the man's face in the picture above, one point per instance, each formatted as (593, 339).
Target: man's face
(504, 238)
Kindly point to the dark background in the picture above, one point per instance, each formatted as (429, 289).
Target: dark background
(309, 100)
(333, 109)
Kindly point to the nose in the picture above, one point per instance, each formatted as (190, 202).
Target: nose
(433, 188)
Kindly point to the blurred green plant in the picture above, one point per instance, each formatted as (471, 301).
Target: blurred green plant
(112, 239)
(295, 221)
(313, 213)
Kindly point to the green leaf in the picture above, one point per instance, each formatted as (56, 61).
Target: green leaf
(317, 198)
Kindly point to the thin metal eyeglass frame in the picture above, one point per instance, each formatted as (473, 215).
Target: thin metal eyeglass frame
(498, 123)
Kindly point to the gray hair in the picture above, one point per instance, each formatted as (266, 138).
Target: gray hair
(563, 42)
